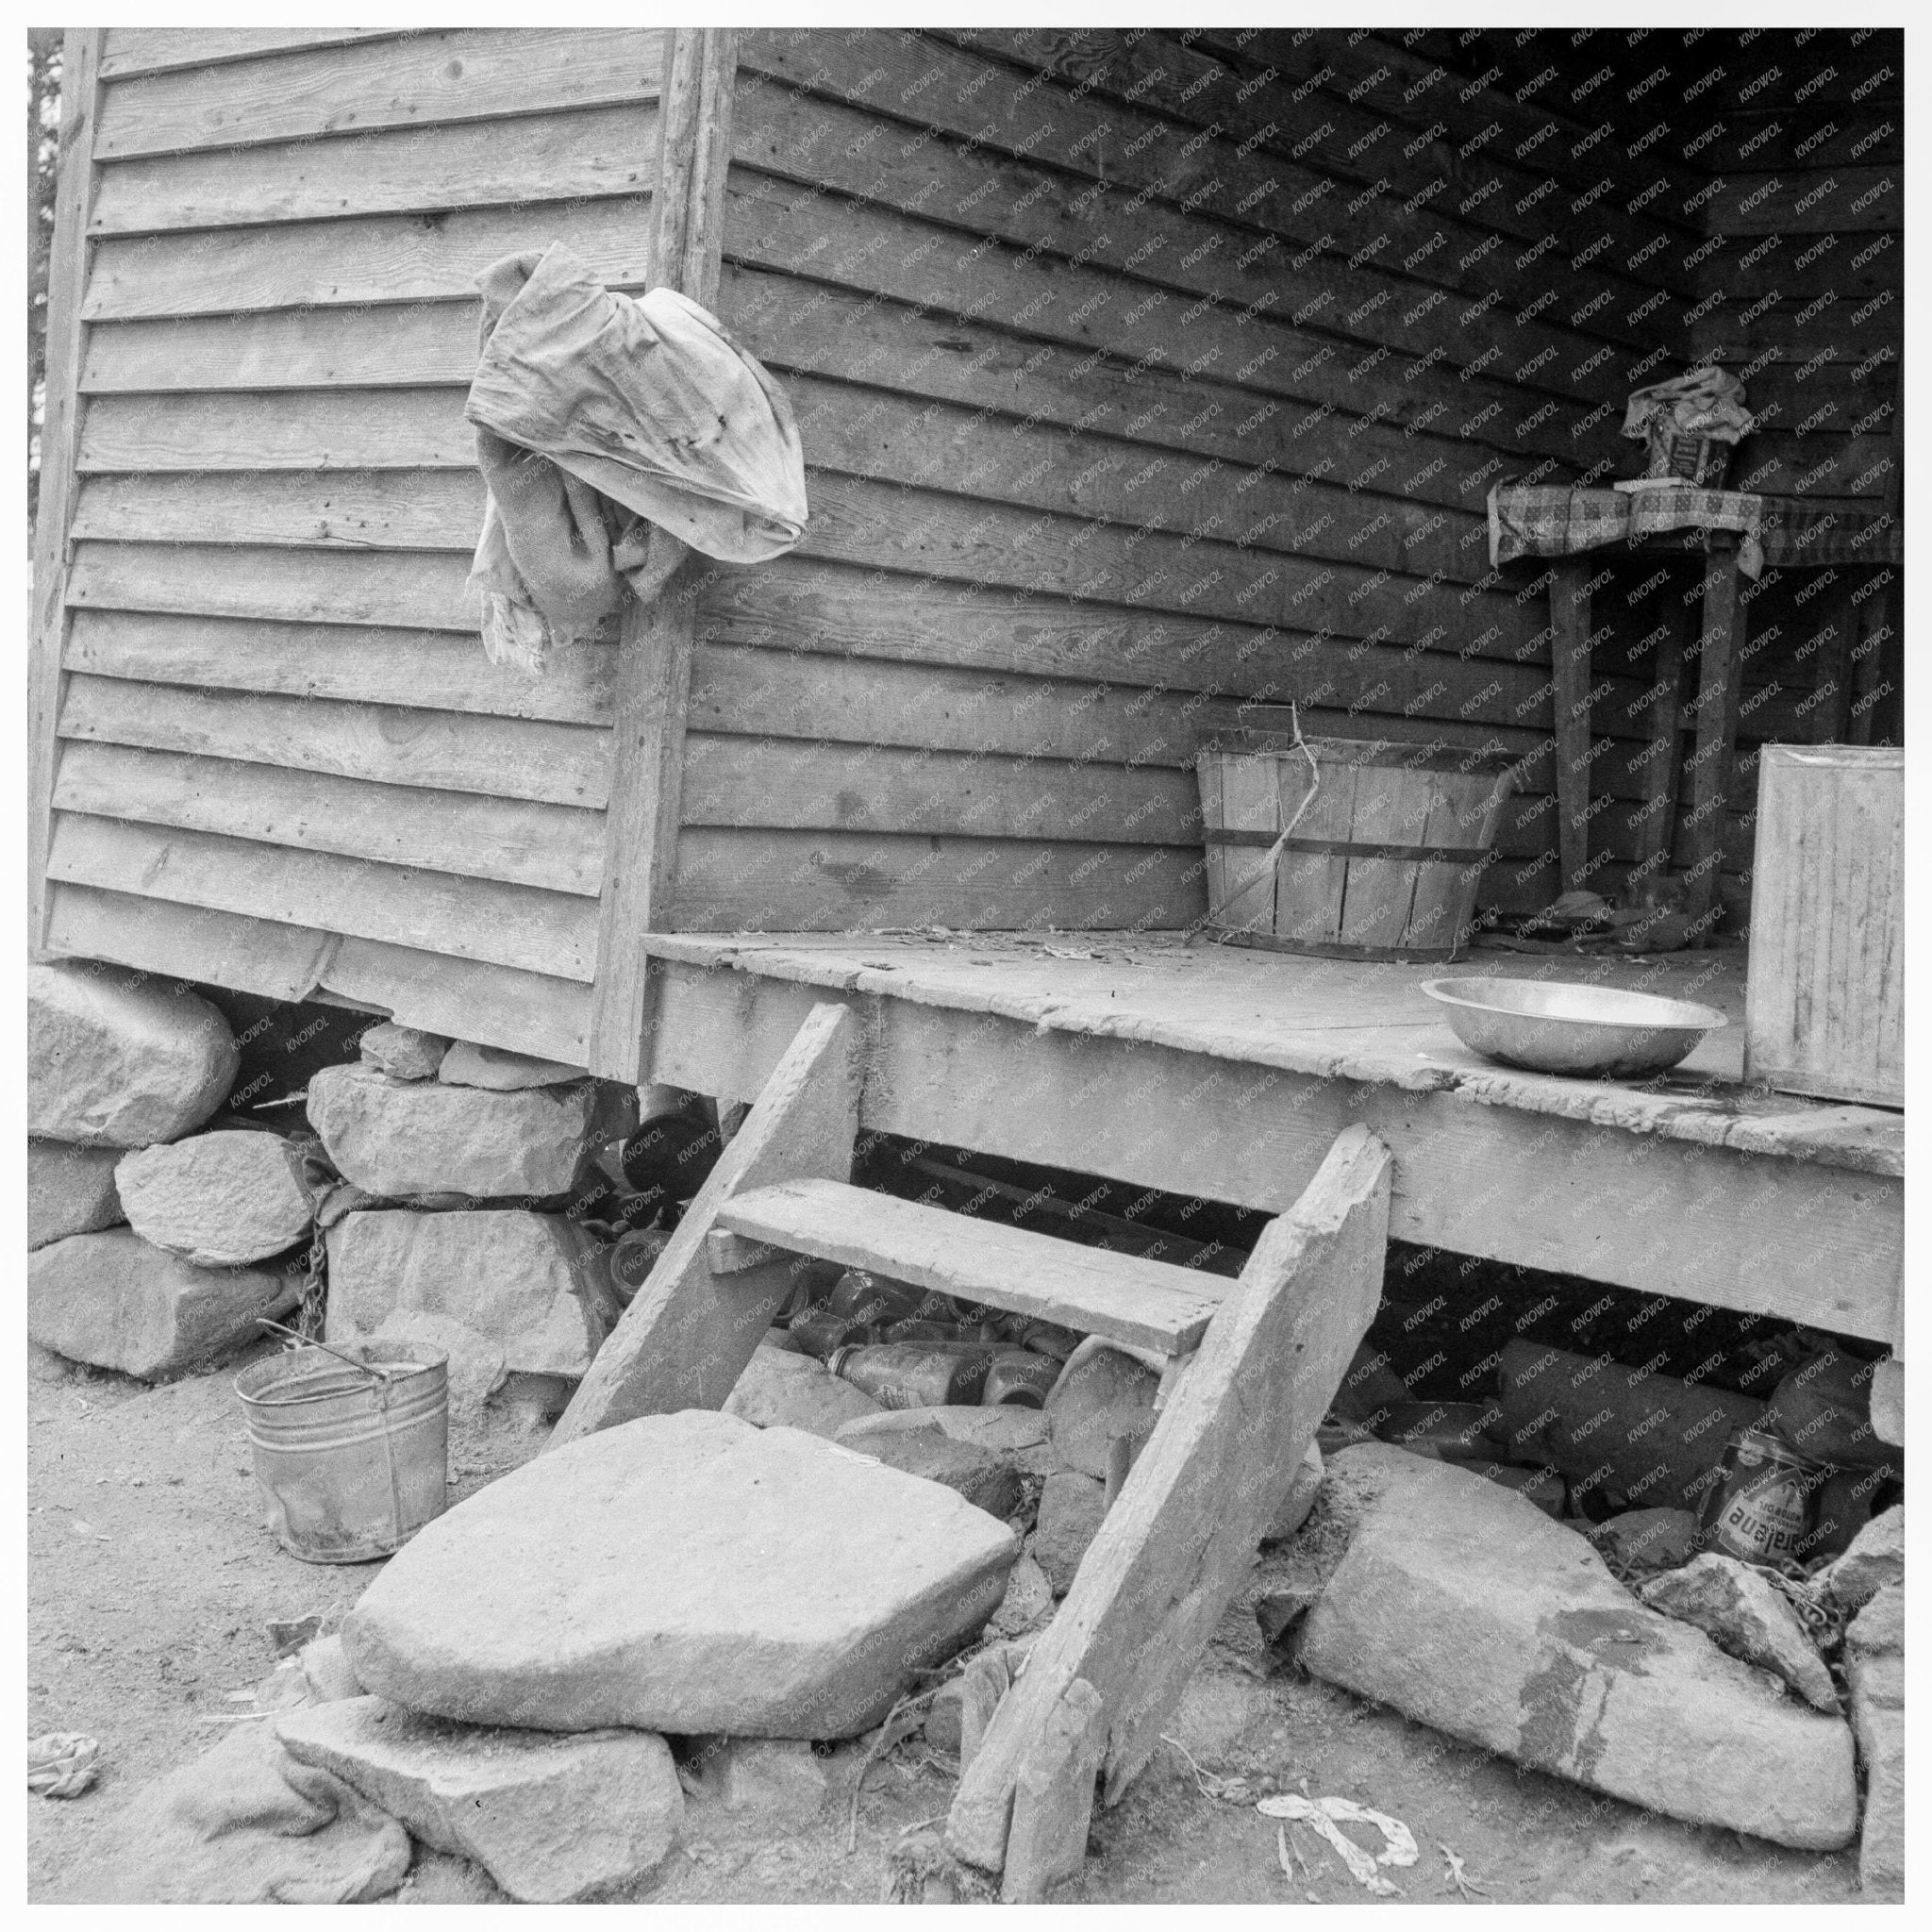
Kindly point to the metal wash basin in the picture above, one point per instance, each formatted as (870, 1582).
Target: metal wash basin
(1556, 1026)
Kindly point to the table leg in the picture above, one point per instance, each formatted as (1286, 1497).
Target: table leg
(1570, 682)
(1720, 652)
(1660, 779)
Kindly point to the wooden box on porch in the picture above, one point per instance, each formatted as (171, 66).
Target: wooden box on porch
(1824, 1002)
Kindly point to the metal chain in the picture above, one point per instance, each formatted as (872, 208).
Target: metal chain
(314, 1291)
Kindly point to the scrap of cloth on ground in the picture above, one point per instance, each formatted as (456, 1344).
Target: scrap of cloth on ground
(614, 436)
(243, 1823)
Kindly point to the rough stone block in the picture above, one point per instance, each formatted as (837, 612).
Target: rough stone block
(1875, 1673)
(985, 1480)
(551, 1819)
(1877, 1557)
(1648, 1539)
(1103, 1392)
(1027, 1604)
(687, 1574)
(120, 1060)
(781, 1389)
(500, 1072)
(401, 1138)
(404, 1053)
(1300, 1498)
(218, 1199)
(777, 1779)
(1017, 1436)
(1744, 1615)
(326, 1671)
(1071, 1508)
(69, 1190)
(1465, 1608)
(528, 1283)
(117, 1302)
(473, 1363)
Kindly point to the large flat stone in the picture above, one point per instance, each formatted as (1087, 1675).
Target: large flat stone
(1876, 1673)
(121, 1059)
(683, 1573)
(69, 1190)
(1467, 1609)
(552, 1819)
(218, 1199)
(530, 1284)
(418, 1137)
(783, 1388)
(119, 1302)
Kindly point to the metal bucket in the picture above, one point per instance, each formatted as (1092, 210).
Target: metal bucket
(351, 1466)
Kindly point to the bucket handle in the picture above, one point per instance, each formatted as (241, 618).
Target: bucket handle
(375, 1372)
(1266, 868)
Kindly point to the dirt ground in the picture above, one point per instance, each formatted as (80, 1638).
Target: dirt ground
(151, 1579)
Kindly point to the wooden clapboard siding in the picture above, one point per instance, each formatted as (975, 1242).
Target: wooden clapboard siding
(373, 259)
(946, 246)
(358, 663)
(924, 82)
(1806, 281)
(467, 999)
(443, 751)
(409, 80)
(466, 834)
(598, 152)
(1345, 137)
(68, 266)
(477, 919)
(284, 761)
(132, 50)
(1134, 380)
(408, 589)
(405, 347)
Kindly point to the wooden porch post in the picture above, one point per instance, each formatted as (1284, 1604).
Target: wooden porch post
(1569, 603)
(654, 655)
(1720, 678)
(67, 268)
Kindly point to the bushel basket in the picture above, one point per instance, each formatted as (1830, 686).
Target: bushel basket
(1381, 862)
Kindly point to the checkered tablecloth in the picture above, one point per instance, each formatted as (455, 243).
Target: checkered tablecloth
(1552, 520)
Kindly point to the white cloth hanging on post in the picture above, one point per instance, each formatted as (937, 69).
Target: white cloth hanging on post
(615, 435)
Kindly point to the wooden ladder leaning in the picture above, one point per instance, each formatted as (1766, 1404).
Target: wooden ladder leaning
(1252, 1365)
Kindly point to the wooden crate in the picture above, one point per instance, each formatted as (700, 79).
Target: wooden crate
(1382, 862)
(1825, 996)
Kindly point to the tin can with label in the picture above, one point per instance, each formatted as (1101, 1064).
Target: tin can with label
(1762, 1510)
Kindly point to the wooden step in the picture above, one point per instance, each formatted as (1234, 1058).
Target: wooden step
(1124, 1297)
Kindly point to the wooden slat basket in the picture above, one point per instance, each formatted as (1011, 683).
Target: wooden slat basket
(1384, 862)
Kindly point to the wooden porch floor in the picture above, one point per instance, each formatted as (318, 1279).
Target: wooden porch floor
(1227, 1071)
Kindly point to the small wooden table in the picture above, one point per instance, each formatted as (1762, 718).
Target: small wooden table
(1794, 534)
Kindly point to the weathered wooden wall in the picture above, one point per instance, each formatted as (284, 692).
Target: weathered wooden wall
(1779, 152)
(1804, 292)
(1135, 374)
(283, 759)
